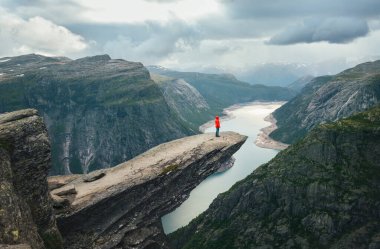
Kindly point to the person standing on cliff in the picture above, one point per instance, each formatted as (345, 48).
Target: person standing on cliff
(217, 126)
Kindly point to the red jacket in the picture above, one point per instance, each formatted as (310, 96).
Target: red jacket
(217, 123)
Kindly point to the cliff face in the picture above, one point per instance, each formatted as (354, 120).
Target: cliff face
(328, 98)
(322, 192)
(185, 100)
(26, 215)
(99, 112)
(121, 207)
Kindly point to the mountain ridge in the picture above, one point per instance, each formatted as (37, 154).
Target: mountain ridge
(328, 98)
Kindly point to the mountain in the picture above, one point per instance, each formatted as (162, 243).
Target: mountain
(322, 192)
(185, 101)
(328, 98)
(99, 111)
(300, 83)
(223, 90)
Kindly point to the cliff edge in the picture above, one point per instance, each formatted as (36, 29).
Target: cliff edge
(118, 207)
(121, 207)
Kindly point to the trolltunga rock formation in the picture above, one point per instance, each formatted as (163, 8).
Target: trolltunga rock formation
(121, 207)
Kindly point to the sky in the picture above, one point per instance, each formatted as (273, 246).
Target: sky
(198, 35)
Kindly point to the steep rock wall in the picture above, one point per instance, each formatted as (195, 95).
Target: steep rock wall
(26, 215)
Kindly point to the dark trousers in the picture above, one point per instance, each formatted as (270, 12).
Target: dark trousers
(217, 132)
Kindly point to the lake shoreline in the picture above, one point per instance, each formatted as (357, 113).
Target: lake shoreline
(227, 112)
(263, 139)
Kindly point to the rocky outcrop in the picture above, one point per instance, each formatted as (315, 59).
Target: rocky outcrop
(26, 215)
(322, 192)
(99, 112)
(328, 98)
(121, 207)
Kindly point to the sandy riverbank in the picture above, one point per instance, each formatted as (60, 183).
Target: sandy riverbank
(264, 141)
(227, 113)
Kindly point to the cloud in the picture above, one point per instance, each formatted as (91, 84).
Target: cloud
(152, 42)
(258, 9)
(60, 12)
(36, 35)
(112, 11)
(163, 1)
(195, 33)
(332, 30)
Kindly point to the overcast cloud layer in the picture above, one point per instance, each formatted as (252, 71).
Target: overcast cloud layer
(224, 35)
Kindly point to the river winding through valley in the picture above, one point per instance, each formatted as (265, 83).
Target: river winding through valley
(247, 120)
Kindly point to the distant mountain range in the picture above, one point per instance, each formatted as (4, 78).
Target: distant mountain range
(222, 90)
(272, 74)
(285, 73)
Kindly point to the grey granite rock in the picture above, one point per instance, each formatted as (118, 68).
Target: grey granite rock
(123, 208)
(26, 213)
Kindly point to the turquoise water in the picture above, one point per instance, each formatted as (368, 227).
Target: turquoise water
(248, 120)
